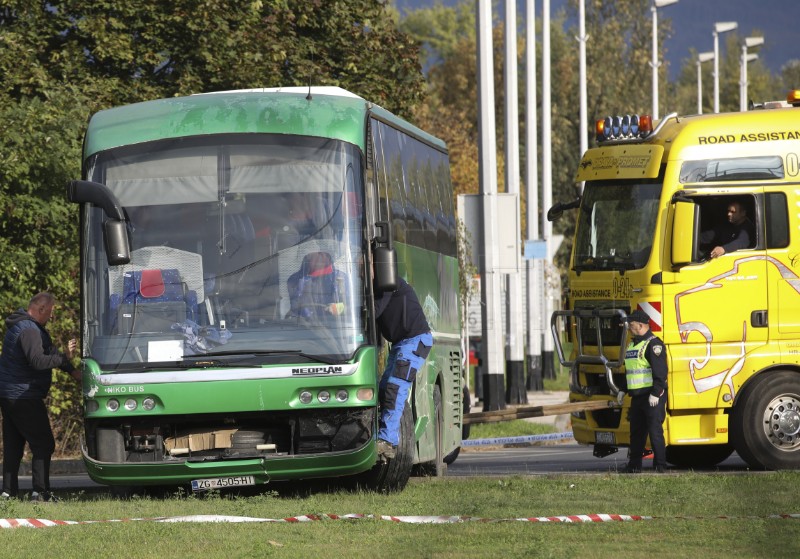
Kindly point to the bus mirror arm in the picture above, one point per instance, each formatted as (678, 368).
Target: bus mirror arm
(98, 194)
(115, 232)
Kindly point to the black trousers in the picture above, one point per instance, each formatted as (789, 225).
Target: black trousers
(26, 421)
(646, 420)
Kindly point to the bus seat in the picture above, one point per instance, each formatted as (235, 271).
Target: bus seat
(153, 300)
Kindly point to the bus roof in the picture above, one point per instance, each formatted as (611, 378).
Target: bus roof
(331, 112)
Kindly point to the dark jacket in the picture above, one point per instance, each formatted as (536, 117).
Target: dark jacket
(28, 359)
(399, 314)
(731, 237)
(656, 355)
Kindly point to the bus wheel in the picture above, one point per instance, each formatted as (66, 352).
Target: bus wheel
(438, 467)
(392, 475)
(698, 456)
(766, 422)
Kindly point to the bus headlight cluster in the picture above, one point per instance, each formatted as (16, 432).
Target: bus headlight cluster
(131, 404)
(340, 395)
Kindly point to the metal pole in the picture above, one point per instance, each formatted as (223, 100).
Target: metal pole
(655, 64)
(584, 139)
(547, 184)
(534, 267)
(699, 88)
(743, 80)
(515, 365)
(716, 72)
(491, 319)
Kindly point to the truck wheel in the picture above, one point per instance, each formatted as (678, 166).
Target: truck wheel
(766, 422)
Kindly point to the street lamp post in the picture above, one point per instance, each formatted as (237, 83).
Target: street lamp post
(655, 63)
(748, 42)
(701, 57)
(719, 27)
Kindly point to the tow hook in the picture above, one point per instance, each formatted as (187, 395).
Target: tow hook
(603, 450)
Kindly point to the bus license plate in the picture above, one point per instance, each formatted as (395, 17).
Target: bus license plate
(222, 482)
(604, 437)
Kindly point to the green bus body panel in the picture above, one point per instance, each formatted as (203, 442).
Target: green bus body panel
(181, 398)
(239, 112)
(264, 470)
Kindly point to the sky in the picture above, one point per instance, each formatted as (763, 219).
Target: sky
(693, 24)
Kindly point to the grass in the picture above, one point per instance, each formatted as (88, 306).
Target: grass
(687, 508)
(514, 428)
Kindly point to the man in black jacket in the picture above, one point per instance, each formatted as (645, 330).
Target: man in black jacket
(737, 233)
(401, 322)
(26, 371)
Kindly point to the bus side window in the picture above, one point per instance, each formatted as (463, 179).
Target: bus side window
(777, 218)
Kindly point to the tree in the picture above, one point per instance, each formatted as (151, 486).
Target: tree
(63, 60)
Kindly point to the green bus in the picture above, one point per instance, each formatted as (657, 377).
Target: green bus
(228, 335)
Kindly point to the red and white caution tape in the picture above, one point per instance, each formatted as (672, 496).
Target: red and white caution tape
(575, 519)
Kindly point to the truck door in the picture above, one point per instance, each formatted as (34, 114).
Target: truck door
(715, 310)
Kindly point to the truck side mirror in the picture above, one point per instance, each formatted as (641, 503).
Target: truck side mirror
(685, 232)
(384, 258)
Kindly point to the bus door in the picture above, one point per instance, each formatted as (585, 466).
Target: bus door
(715, 310)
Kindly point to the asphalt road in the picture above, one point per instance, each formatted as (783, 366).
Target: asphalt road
(564, 458)
(550, 459)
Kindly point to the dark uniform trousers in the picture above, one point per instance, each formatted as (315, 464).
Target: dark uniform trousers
(647, 420)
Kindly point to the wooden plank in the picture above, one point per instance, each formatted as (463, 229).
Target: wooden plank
(522, 412)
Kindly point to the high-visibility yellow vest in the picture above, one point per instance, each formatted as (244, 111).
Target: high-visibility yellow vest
(638, 373)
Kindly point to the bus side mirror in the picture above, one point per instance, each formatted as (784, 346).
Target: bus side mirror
(685, 227)
(115, 235)
(115, 232)
(384, 259)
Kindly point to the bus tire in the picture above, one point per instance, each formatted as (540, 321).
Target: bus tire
(698, 456)
(392, 475)
(437, 467)
(766, 422)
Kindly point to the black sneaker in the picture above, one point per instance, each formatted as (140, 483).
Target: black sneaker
(44, 497)
(659, 470)
(386, 449)
(631, 470)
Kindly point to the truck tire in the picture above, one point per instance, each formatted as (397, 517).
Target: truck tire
(766, 422)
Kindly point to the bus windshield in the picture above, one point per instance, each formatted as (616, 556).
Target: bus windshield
(616, 225)
(244, 247)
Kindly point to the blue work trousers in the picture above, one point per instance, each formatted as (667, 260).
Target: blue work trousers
(405, 359)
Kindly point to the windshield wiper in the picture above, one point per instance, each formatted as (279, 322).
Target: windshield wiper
(248, 352)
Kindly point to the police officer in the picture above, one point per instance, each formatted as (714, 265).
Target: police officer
(646, 378)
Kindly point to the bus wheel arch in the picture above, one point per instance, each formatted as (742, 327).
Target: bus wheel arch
(765, 421)
(438, 466)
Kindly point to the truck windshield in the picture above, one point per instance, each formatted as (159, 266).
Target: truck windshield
(616, 225)
(241, 246)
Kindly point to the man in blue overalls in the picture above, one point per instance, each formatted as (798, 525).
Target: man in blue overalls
(401, 322)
